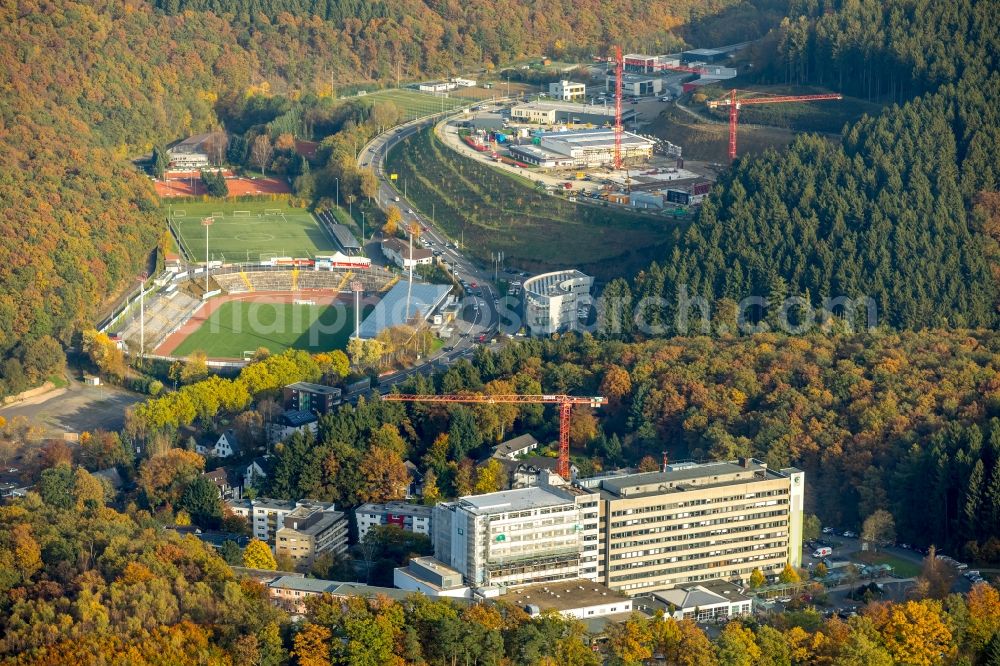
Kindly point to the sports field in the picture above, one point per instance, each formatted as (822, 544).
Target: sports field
(239, 326)
(413, 104)
(248, 231)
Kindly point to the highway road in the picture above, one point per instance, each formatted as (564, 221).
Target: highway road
(479, 314)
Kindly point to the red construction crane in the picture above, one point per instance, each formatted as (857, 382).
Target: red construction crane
(565, 403)
(619, 73)
(734, 105)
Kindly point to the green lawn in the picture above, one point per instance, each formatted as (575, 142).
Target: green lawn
(535, 230)
(902, 567)
(414, 104)
(239, 326)
(266, 228)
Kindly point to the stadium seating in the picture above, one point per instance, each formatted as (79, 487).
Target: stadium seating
(373, 279)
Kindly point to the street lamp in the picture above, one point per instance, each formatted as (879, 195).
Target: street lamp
(357, 288)
(338, 191)
(142, 314)
(206, 222)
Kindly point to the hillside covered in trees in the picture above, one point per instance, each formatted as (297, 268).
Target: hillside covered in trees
(893, 210)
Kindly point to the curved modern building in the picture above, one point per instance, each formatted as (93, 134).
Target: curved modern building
(551, 301)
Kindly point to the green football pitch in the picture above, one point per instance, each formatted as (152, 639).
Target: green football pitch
(248, 231)
(239, 326)
(413, 104)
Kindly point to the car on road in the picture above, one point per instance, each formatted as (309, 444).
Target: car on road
(827, 530)
(850, 535)
(395, 198)
(448, 348)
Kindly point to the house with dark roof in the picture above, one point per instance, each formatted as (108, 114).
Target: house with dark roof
(227, 481)
(258, 470)
(226, 445)
(515, 447)
(291, 422)
(527, 472)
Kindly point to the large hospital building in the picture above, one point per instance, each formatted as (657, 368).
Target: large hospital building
(635, 533)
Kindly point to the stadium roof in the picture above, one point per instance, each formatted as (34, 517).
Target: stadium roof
(344, 237)
(392, 309)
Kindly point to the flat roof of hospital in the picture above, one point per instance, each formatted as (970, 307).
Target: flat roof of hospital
(521, 499)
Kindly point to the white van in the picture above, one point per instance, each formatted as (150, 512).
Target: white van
(822, 552)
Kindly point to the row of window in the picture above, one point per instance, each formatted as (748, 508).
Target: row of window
(686, 526)
(695, 514)
(695, 546)
(699, 502)
(699, 556)
(664, 573)
(687, 541)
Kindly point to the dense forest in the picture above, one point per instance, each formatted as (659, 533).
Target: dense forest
(888, 48)
(82, 583)
(893, 211)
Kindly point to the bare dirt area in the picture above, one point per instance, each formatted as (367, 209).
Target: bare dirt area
(77, 408)
(188, 185)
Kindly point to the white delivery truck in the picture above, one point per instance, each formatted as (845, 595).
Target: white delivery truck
(822, 552)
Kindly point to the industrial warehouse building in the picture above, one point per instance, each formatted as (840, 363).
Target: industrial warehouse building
(583, 148)
(553, 299)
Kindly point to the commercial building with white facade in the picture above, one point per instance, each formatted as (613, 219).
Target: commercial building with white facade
(637, 85)
(410, 517)
(551, 112)
(567, 91)
(519, 537)
(552, 301)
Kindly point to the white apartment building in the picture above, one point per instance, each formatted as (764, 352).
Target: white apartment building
(410, 517)
(552, 301)
(264, 515)
(567, 91)
(519, 537)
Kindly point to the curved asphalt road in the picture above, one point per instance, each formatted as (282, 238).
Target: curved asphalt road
(479, 315)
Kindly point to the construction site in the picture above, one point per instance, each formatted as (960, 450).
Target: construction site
(596, 150)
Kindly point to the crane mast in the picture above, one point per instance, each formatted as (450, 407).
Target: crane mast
(734, 103)
(565, 403)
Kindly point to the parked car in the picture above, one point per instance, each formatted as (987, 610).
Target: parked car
(827, 530)
(850, 535)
